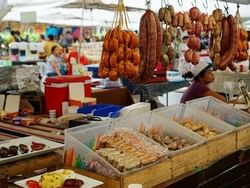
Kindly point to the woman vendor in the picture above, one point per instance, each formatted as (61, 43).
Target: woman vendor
(202, 75)
(54, 65)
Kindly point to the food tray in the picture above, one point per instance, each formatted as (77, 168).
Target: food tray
(80, 144)
(229, 114)
(88, 182)
(50, 147)
(211, 150)
(170, 128)
(173, 112)
(181, 112)
(221, 110)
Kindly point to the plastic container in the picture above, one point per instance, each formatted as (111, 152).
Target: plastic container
(187, 112)
(57, 91)
(77, 155)
(169, 128)
(173, 112)
(94, 69)
(221, 110)
(81, 141)
(103, 110)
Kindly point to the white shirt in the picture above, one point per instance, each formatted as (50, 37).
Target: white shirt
(51, 58)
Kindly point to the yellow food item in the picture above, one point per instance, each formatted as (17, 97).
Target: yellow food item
(51, 180)
(55, 179)
(68, 174)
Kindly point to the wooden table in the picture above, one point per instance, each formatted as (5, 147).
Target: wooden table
(47, 132)
(50, 161)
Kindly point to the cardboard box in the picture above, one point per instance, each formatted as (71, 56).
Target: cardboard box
(118, 96)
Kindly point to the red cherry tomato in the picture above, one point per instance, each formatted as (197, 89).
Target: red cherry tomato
(33, 184)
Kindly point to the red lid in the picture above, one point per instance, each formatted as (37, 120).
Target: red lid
(66, 79)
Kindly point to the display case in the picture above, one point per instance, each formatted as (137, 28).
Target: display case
(221, 110)
(83, 149)
(211, 150)
(162, 130)
(227, 113)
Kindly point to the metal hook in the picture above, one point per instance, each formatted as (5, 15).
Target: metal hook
(180, 2)
(226, 8)
(166, 3)
(148, 3)
(218, 6)
(194, 4)
(205, 5)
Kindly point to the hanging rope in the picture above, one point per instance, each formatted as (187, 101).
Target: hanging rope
(217, 5)
(205, 5)
(226, 8)
(180, 2)
(194, 3)
(121, 18)
(166, 2)
(148, 4)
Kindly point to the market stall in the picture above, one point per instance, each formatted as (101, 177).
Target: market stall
(88, 152)
(86, 127)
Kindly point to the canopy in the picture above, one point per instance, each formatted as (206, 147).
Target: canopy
(104, 18)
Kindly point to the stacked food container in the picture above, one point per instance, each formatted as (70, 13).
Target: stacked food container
(229, 114)
(168, 142)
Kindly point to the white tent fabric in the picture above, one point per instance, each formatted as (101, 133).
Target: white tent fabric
(101, 17)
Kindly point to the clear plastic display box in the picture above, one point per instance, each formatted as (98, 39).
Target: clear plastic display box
(158, 125)
(78, 153)
(214, 147)
(173, 112)
(221, 110)
(183, 112)
(81, 142)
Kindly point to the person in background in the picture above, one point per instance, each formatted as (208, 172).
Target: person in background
(183, 45)
(69, 39)
(62, 41)
(73, 58)
(49, 44)
(202, 75)
(54, 65)
(42, 39)
(12, 37)
(18, 36)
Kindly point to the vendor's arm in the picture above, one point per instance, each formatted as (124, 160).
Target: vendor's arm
(55, 68)
(215, 95)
